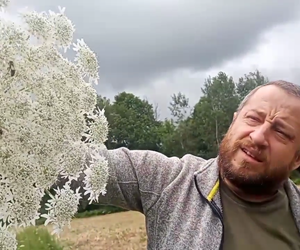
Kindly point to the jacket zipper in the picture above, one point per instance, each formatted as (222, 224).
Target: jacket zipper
(219, 214)
(215, 209)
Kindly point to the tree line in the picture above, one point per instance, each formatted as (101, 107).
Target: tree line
(196, 130)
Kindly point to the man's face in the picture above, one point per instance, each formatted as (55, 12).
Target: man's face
(262, 145)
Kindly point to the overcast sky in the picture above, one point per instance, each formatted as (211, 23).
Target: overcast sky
(154, 48)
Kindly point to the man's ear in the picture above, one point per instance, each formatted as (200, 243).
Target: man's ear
(297, 162)
(233, 119)
(234, 116)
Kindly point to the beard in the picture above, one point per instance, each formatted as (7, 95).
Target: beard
(252, 180)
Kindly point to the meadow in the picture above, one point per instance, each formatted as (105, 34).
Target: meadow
(124, 230)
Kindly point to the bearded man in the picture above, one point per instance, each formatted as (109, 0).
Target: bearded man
(243, 199)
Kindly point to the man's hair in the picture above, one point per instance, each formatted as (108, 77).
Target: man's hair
(290, 88)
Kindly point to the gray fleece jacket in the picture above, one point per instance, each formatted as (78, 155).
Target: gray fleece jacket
(179, 197)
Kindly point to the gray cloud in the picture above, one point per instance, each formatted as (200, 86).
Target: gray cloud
(137, 41)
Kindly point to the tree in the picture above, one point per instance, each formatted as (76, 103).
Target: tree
(249, 82)
(132, 123)
(179, 107)
(168, 138)
(213, 113)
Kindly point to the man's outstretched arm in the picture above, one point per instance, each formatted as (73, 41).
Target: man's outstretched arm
(136, 178)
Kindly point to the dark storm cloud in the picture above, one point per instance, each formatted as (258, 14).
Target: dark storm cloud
(137, 40)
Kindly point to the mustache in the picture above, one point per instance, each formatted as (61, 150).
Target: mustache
(257, 150)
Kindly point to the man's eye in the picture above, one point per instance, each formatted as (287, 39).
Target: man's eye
(254, 118)
(282, 133)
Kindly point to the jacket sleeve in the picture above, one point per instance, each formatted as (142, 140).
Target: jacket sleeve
(136, 178)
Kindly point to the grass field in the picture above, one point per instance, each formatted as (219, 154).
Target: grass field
(125, 230)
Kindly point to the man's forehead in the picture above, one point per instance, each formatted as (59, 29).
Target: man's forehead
(275, 103)
(269, 92)
(273, 97)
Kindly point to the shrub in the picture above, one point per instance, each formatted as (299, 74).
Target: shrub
(37, 238)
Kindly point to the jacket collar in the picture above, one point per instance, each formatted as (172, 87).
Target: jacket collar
(207, 177)
(293, 193)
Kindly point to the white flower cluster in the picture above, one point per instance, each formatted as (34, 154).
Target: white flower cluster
(3, 3)
(8, 239)
(47, 106)
(67, 202)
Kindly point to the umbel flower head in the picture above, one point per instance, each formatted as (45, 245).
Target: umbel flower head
(47, 105)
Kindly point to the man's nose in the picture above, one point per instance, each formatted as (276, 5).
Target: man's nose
(259, 135)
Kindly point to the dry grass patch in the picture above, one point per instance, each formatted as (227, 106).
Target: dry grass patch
(125, 230)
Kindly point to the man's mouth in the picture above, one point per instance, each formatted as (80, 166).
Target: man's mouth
(251, 154)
